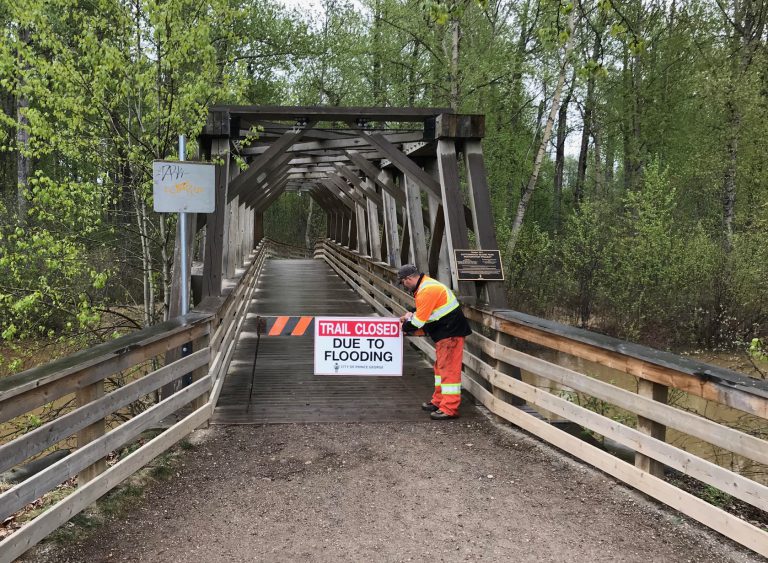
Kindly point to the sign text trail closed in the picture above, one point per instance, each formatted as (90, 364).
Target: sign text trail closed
(358, 346)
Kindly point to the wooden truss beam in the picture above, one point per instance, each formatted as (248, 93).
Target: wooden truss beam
(328, 113)
(339, 144)
(265, 161)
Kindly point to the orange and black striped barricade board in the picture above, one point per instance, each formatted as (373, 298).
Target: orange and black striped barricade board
(286, 326)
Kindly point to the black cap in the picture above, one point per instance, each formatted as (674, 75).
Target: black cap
(407, 270)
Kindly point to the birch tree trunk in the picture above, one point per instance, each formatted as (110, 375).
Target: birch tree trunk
(307, 240)
(455, 43)
(599, 175)
(146, 258)
(23, 162)
(525, 199)
(747, 27)
(167, 263)
(562, 134)
(586, 133)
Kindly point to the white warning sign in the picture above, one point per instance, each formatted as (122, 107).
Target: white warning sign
(358, 346)
(183, 187)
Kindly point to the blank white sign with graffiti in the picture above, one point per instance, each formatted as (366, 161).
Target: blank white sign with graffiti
(184, 187)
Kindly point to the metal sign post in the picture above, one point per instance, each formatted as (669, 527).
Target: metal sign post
(186, 349)
(183, 187)
(183, 245)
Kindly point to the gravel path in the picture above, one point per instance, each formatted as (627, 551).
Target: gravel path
(461, 490)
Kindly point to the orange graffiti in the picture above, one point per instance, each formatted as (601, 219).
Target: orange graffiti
(183, 187)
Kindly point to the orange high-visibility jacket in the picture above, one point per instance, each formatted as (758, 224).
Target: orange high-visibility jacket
(437, 311)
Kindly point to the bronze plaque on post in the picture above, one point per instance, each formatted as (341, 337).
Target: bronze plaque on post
(479, 265)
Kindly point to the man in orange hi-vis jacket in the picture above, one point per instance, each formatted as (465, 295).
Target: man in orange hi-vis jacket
(438, 312)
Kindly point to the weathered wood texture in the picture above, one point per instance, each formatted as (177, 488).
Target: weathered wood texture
(486, 361)
(416, 224)
(331, 113)
(455, 221)
(482, 216)
(710, 382)
(213, 266)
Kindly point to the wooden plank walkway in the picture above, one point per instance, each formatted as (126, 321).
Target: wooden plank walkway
(284, 387)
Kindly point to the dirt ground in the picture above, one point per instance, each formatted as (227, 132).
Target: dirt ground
(460, 490)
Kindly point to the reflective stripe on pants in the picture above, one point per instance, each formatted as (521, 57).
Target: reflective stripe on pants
(447, 396)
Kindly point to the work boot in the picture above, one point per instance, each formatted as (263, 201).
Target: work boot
(428, 407)
(440, 415)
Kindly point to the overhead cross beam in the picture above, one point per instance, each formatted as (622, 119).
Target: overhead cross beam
(401, 161)
(336, 144)
(326, 113)
(265, 160)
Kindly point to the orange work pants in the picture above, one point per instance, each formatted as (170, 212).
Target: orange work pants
(447, 395)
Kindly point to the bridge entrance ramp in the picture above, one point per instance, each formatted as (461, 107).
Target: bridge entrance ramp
(284, 387)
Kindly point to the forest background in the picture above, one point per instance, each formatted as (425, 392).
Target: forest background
(625, 146)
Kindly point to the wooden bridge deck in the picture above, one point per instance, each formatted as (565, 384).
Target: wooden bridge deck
(284, 387)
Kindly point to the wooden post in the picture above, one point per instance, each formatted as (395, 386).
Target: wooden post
(330, 225)
(258, 227)
(345, 224)
(405, 245)
(352, 232)
(213, 263)
(453, 210)
(90, 433)
(659, 393)
(249, 244)
(243, 222)
(443, 271)
(416, 224)
(362, 235)
(482, 216)
(340, 224)
(374, 234)
(390, 224)
(227, 259)
(230, 245)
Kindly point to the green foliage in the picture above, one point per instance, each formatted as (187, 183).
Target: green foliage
(287, 219)
(757, 349)
(531, 287)
(581, 253)
(444, 10)
(715, 496)
(39, 292)
(650, 279)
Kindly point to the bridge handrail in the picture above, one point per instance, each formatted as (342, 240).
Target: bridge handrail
(212, 327)
(486, 359)
(285, 250)
(719, 384)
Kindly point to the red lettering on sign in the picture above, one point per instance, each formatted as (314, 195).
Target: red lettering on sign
(386, 328)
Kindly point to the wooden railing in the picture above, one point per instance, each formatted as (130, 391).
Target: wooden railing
(491, 374)
(212, 327)
(283, 250)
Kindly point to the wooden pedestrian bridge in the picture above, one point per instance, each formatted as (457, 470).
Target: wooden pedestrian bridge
(396, 186)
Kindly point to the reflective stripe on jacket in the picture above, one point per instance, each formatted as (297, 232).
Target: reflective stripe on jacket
(433, 301)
